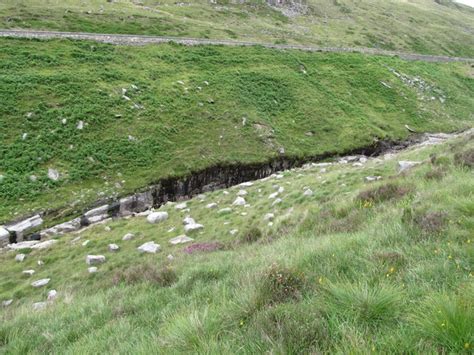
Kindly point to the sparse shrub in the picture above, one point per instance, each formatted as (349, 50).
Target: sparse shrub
(439, 160)
(448, 322)
(339, 220)
(427, 222)
(280, 284)
(164, 276)
(465, 159)
(390, 258)
(435, 174)
(251, 235)
(386, 192)
(203, 247)
(293, 328)
(363, 303)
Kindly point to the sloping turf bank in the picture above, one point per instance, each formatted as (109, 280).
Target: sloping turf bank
(157, 111)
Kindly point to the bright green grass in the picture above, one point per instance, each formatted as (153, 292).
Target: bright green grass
(357, 277)
(285, 97)
(423, 26)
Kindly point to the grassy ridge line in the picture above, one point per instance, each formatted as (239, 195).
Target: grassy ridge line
(125, 39)
(421, 26)
(186, 112)
(356, 267)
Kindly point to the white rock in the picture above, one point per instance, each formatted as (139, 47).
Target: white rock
(64, 121)
(234, 231)
(372, 178)
(357, 164)
(180, 240)
(52, 295)
(113, 247)
(23, 137)
(225, 192)
(23, 245)
(246, 184)
(405, 165)
(80, 125)
(270, 224)
(40, 283)
(128, 236)
(53, 174)
(40, 262)
(39, 306)
(6, 303)
(28, 272)
(170, 257)
(44, 245)
(268, 217)
(156, 217)
(225, 210)
(279, 176)
(278, 200)
(281, 189)
(308, 192)
(107, 228)
(323, 170)
(92, 269)
(20, 257)
(188, 220)
(26, 224)
(181, 206)
(172, 229)
(4, 234)
(75, 240)
(363, 160)
(98, 211)
(242, 193)
(149, 247)
(273, 195)
(211, 205)
(244, 214)
(192, 227)
(85, 243)
(239, 201)
(95, 259)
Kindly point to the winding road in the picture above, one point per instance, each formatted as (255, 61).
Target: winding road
(124, 39)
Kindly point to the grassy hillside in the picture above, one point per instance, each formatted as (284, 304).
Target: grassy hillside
(152, 112)
(424, 26)
(381, 267)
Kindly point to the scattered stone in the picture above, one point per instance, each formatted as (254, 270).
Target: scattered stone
(53, 174)
(28, 272)
(357, 164)
(225, 192)
(92, 269)
(277, 201)
(23, 137)
(405, 165)
(246, 184)
(225, 210)
(20, 257)
(113, 247)
(242, 193)
(410, 129)
(40, 262)
(80, 125)
(234, 231)
(170, 257)
(149, 247)
(244, 213)
(211, 205)
(180, 240)
(268, 217)
(188, 220)
(95, 259)
(270, 224)
(6, 303)
(75, 240)
(44, 245)
(273, 195)
(172, 229)
(363, 160)
(239, 201)
(192, 227)
(281, 189)
(128, 236)
(85, 243)
(52, 295)
(181, 206)
(107, 228)
(308, 192)
(23, 245)
(372, 178)
(156, 217)
(41, 283)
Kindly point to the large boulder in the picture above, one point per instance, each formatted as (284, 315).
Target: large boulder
(157, 217)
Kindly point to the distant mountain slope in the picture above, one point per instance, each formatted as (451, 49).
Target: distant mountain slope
(424, 26)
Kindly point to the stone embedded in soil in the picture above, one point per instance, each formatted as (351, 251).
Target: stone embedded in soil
(28, 272)
(40, 283)
(52, 295)
(39, 306)
(95, 259)
(239, 201)
(113, 247)
(6, 303)
(20, 257)
(128, 236)
(181, 206)
(211, 205)
(192, 227)
(181, 240)
(92, 269)
(149, 247)
(156, 217)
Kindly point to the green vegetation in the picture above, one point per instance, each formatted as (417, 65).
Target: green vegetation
(424, 26)
(156, 111)
(317, 280)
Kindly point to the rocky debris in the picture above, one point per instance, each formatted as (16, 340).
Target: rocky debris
(246, 184)
(357, 164)
(372, 178)
(268, 217)
(136, 203)
(40, 283)
(113, 247)
(149, 247)
(92, 269)
(6, 303)
(128, 236)
(281, 189)
(80, 125)
(107, 229)
(52, 294)
(62, 228)
(405, 165)
(170, 257)
(242, 193)
(188, 220)
(38, 306)
(44, 245)
(84, 244)
(181, 206)
(211, 205)
(23, 245)
(22, 227)
(97, 214)
(156, 217)
(233, 231)
(40, 262)
(308, 192)
(95, 259)
(239, 201)
(192, 227)
(172, 229)
(181, 240)
(277, 201)
(20, 257)
(28, 272)
(225, 210)
(53, 174)
(273, 195)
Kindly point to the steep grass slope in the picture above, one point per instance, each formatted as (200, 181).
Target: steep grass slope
(113, 119)
(356, 267)
(424, 26)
